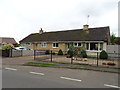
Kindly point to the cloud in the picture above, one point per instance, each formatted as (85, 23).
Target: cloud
(22, 17)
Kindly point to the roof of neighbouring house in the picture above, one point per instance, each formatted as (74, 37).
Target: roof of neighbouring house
(94, 34)
(7, 40)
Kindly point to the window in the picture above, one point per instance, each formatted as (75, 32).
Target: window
(93, 46)
(43, 45)
(77, 44)
(87, 46)
(55, 45)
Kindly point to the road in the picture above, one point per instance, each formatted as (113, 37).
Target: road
(15, 76)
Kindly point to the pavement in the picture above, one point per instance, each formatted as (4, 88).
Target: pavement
(22, 60)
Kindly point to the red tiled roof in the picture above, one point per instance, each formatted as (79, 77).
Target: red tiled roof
(7, 40)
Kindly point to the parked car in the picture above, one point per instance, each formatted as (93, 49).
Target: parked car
(21, 48)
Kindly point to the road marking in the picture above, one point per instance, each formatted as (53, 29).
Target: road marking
(71, 79)
(11, 69)
(111, 86)
(37, 73)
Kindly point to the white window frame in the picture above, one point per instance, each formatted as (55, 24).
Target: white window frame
(43, 45)
(77, 44)
(94, 50)
(55, 45)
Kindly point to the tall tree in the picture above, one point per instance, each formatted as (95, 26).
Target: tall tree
(112, 38)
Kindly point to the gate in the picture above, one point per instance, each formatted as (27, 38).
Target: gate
(42, 55)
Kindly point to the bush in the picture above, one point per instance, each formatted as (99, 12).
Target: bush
(103, 55)
(60, 52)
(53, 53)
(47, 52)
(7, 46)
(84, 54)
(70, 53)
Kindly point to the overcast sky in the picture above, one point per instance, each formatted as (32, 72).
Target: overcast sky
(19, 18)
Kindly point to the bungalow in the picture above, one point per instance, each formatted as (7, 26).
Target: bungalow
(93, 39)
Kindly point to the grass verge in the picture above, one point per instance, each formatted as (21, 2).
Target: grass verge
(44, 64)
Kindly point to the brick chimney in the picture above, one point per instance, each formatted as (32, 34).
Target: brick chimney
(41, 31)
(85, 27)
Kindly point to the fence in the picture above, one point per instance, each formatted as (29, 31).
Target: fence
(113, 51)
(16, 53)
(52, 56)
(4, 53)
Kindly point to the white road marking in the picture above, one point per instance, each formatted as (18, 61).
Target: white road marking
(111, 86)
(11, 69)
(37, 73)
(71, 79)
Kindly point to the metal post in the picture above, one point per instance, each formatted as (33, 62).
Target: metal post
(71, 60)
(34, 54)
(97, 59)
(51, 55)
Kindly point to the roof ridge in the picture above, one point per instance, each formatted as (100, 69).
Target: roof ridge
(71, 30)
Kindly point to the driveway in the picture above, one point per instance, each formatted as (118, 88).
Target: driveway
(17, 60)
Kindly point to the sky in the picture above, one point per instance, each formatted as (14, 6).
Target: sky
(19, 18)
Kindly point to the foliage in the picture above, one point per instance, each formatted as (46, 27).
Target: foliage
(72, 50)
(77, 51)
(117, 40)
(53, 53)
(60, 52)
(7, 46)
(112, 38)
(16, 45)
(84, 54)
(103, 55)
(47, 52)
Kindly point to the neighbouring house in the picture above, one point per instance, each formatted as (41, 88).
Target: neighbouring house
(7, 40)
(93, 39)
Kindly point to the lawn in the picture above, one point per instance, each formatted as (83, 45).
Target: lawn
(36, 63)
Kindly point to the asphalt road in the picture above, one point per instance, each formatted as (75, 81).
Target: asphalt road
(44, 77)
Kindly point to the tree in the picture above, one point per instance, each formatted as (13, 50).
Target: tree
(117, 40)
(112, 38)
(7, 46)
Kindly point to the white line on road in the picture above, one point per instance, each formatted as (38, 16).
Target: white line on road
(111, 86)
(71, 79)
(11, 69)
(37, 73)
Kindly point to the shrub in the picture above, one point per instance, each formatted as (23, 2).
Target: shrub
(47, 52)
(84, 54)
(53, 53)
(103, 55)
(110, 63)
(60, 52)
(70, 53)
(7, 46)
